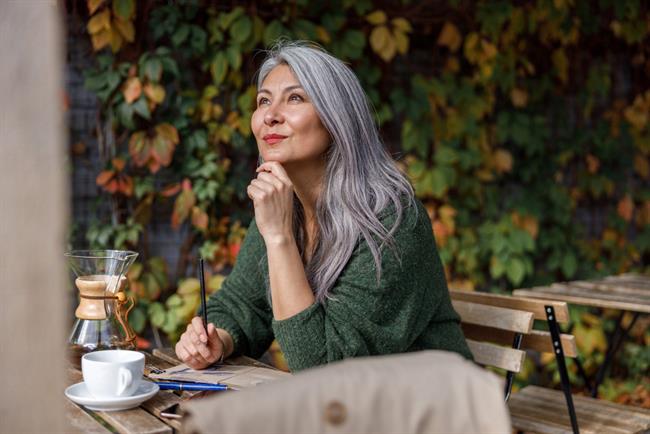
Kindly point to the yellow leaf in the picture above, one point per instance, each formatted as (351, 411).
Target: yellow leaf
(461, 285)
(450, 36)
(625, 208)
(402, 24)
(593, 163)
(200, 218)
(214, 283)
(323, 34)
(125, 28)
(470, 48)
(154, 92)
(489, 49)
(519, 97)
(100, 40)
(168, 132)
(447, 215)
(116, 40)
(641, 166)
(502, 161)
(376, 18)
(101, 21)
(93, 5)
(132, 89)
(561, 64)
(452, 64)
(401, 41)
(378, 38)
(390, 49)
(189, 286)
(118, 164)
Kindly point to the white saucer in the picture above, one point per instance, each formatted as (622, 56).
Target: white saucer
(79, 393)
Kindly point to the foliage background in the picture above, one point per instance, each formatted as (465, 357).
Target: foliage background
(523, 126)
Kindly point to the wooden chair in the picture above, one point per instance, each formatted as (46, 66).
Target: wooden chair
(499, 328)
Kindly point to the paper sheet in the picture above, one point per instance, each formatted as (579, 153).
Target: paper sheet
(235, 376)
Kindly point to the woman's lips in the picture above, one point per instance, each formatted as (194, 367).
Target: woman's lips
(273, 138)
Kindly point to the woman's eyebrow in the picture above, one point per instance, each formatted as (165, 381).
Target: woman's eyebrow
(286, 89)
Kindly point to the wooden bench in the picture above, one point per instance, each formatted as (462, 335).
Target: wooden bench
(499, 328)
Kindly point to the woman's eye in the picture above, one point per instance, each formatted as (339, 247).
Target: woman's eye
(262, 101)
(295, 97)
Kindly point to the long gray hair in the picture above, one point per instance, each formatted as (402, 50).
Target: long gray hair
(361, 178)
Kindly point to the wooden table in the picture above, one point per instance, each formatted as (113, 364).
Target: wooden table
(626, 292)
(145, 418)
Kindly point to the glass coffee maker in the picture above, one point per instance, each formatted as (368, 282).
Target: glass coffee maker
(102, 314)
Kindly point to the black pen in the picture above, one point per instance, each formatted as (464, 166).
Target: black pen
(203, 309)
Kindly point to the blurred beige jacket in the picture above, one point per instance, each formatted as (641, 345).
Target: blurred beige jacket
(424, 392)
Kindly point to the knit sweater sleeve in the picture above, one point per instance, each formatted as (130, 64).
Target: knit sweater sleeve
(240, 307)
(366, 317)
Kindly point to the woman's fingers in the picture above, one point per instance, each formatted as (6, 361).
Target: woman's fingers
(199, 329)
(272, 180)
(185, 353)
(276, 169)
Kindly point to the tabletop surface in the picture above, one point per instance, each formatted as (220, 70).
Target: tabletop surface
(629, 292)
(145, 418)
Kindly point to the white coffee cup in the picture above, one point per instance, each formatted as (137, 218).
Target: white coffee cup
(112, 373)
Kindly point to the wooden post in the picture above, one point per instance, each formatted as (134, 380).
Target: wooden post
(33, 218)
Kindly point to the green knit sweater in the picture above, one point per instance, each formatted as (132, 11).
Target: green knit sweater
(409, 310)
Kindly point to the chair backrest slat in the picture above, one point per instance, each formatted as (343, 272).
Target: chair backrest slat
(536, 306)
(489, 354)
(497, 317)
(535, 340)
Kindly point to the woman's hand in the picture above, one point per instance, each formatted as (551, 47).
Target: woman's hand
(197, 349)
(272, 196)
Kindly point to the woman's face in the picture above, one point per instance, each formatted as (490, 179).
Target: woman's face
(285, 123)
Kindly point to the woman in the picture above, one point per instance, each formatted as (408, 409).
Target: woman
(340, 260)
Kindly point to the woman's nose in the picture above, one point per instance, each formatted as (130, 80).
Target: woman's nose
(273, 116)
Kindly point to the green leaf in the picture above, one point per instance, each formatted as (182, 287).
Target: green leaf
(174, 300)
(445, 155)
(180, 35)
(156, 313)
(125, 115)
(515, 270)
(234, 56)
(241, 29)
(198, 39)
(226, 19)
(137, 319)
(569, 265)
(170, 66)
(219, 68)
(273, 31)
(141, 107)
(496, 267)
(124, 9)
(304, 29)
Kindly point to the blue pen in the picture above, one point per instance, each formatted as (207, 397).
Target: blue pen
(165, 385)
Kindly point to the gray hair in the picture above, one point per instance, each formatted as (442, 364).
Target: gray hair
(361, 178)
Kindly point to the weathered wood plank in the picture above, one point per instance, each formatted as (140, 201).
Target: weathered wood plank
(134, 421)
(81, 422)
(545, 294)
(497, 317)
(536, 340)
(593, 415)
(605, 295)
(518, 303)
(494, 355)
(162, 401)
(625, 289)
